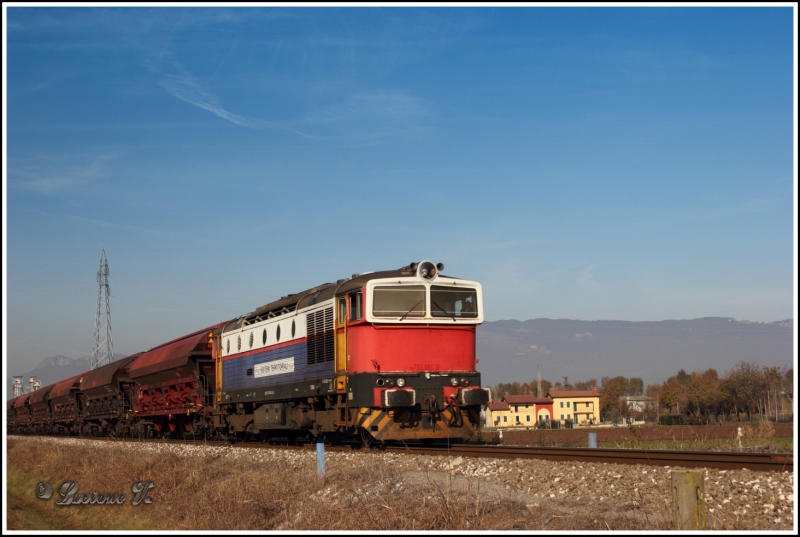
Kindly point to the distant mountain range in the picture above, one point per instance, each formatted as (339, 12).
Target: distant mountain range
(509, 351)
(56, 368)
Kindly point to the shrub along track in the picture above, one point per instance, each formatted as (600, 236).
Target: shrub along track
(625, 433)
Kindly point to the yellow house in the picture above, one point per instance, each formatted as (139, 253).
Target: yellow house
(519, 411)
(582, 407)
(497, 414)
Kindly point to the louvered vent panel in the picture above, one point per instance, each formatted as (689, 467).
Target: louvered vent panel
(319, 336)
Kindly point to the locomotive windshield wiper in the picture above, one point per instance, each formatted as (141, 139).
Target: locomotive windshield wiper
(409, 311)
(444, 310)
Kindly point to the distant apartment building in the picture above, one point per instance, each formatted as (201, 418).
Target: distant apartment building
(582, 407)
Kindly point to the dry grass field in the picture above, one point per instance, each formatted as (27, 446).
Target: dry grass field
(212, 493)
(255, 489)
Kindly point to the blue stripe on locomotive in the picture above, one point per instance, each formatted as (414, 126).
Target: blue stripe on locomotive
(235, 377)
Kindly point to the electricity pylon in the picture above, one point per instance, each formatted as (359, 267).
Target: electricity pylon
(103, 348)
(538, 382)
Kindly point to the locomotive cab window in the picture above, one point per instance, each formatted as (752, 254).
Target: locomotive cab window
(355, 307)
(342, 310)
(456, 302)
(399, 301)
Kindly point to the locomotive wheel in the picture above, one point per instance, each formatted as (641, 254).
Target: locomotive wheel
(333, 439)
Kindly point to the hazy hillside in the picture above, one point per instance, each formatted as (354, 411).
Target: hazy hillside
(509, 350)
(56, 368)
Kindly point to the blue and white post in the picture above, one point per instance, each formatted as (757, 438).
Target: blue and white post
(320, 459)
(592, 440)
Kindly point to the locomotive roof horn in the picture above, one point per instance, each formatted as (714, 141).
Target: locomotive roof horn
(424, 269)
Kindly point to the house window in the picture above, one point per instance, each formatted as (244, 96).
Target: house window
(587, 405)
(541, 419)
(517, 419)
(562, 404)
(529, 417)
(562, 416)
(505, 419)
(526, 406)
(516, 408)
(567, 404)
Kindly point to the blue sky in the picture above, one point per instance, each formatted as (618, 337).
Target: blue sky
(583, 163)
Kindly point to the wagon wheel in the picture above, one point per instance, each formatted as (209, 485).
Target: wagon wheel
(198, 426)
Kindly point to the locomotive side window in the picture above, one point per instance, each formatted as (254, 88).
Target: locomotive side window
(278, 333)
(264, 337)
(292, 328)
(355, 307)
(454, 302)
(399, 301)
(342, 310)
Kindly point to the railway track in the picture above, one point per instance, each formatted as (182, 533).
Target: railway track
(761, 462)
(776, 462)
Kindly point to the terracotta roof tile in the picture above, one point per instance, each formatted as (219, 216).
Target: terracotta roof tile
(586, 393)
(527, 400)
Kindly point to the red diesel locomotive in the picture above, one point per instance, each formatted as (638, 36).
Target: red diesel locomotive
(387, 356)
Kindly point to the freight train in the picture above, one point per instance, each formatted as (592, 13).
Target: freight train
(381, 356)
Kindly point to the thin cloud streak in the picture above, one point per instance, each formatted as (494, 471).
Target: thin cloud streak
(48, 268)
(587, 277)
(188, 89)
(123, 227)
(46, 182)
(137, 229)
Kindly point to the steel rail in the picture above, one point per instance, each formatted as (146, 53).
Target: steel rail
(777, 462)
(726, 460)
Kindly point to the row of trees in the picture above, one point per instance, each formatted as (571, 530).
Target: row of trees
(616, 386)
(748, 389)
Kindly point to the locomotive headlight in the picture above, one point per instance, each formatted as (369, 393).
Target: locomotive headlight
(401, 383)
(464, 382)
(427, 270)
(454, 381)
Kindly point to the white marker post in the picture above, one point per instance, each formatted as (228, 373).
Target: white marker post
(320, 459)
